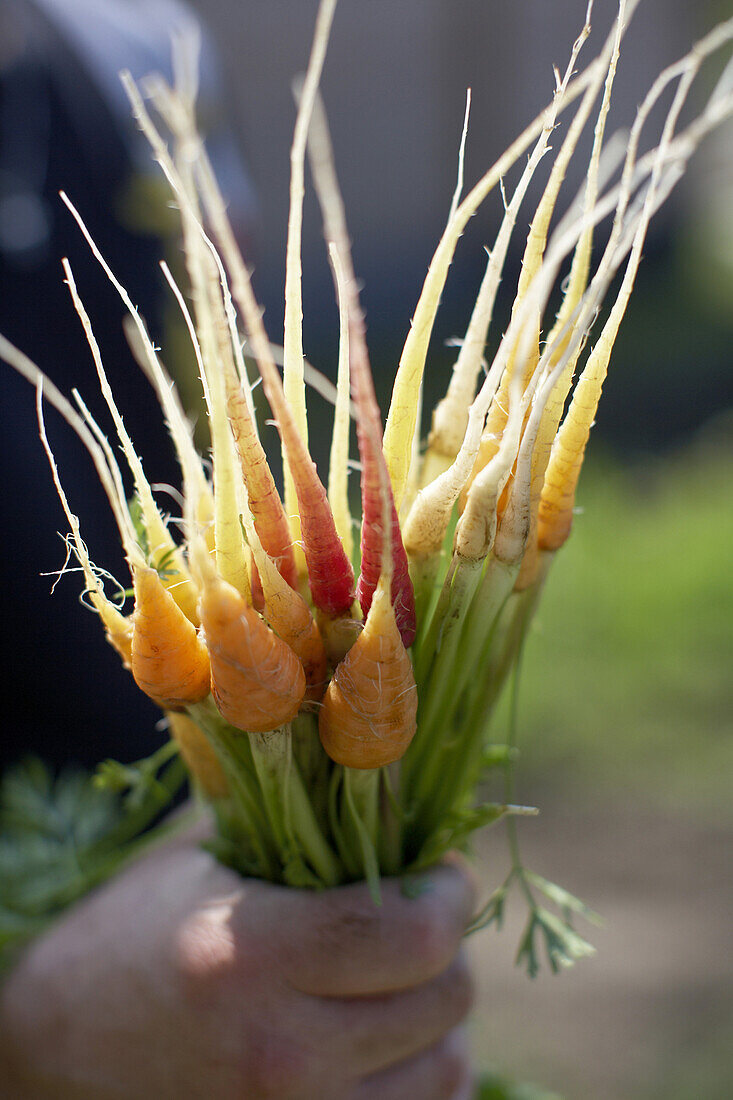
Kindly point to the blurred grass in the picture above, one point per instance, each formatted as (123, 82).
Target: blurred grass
(491, 1087)
(626, 680)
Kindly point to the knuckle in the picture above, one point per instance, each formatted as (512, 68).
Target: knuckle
(274, 1066)
(461, 988)
(433, 939)
(345, 924)
(452, 1070)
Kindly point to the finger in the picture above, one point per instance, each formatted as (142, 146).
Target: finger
(441, 1073)
(339, 943)
(373, 1033)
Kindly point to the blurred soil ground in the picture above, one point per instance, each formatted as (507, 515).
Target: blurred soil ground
(651, 1015)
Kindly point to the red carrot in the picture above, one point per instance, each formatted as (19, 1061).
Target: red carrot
(403, 596)
(330, 574)
(374, 477)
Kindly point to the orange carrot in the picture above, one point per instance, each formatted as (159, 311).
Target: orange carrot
(168, 659)
(264, 501)
(369, 712)
(289, 616)
(293, 622)
(256, 679)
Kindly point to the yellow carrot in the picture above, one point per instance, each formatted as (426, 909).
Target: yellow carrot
(401, 421)
(198, 755)
(293, 383)
(162, 546)
(117, 627)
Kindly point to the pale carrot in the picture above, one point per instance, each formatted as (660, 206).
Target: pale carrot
(330, 574)
(198, 755)
(162, 547)
(402, 418)
(293, 382)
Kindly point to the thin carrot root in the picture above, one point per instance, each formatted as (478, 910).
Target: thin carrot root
(198, 755)
(168, 659)
(257, 681)
(369, 712)
(118, 628)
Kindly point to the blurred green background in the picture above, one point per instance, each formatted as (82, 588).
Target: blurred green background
(626, 718)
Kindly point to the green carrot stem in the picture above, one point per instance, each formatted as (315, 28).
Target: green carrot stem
(445, 780)
(364, 787)
(438, 685)
(245, 790)
(349, 858)
(424, 572)
(496, 586)
(313, 763)
(287, 798)
(360, 821)
(270, 756)
(390, 827)
(503, 646)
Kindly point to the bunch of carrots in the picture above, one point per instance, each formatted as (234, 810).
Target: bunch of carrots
(332, 701)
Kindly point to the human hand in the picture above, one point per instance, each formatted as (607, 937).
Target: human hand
(179, 979)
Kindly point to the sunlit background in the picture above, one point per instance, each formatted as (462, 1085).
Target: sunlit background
(625, 711)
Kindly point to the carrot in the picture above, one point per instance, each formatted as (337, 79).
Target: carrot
(402, 416)
(375, 480)
(288, 614)
(118, 628)
(403, 595)
(258, 596)
(369, 712)
(264, 501)
(330, 574)
(168, 659)
(376, 491)
(293, 382)
(162, 547)
(198, 755)
(256, 679)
